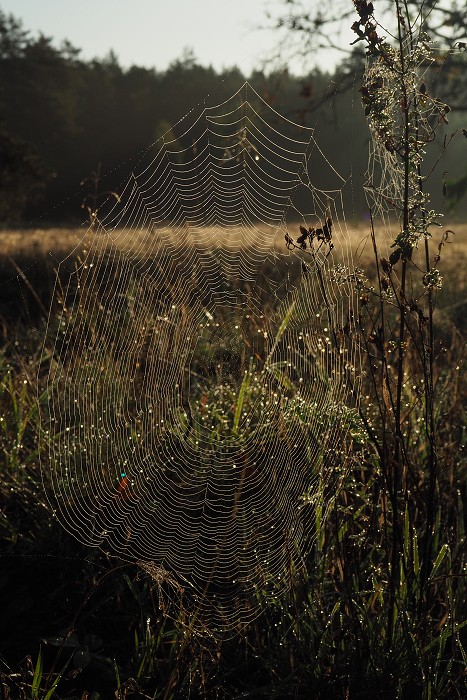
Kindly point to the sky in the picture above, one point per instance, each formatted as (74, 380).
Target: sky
(154, 33)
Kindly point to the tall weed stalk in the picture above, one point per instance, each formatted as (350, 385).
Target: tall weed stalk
(409, 371)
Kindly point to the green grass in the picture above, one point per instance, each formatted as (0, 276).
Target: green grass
(75, 621)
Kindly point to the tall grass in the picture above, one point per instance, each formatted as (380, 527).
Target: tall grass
(346, 627)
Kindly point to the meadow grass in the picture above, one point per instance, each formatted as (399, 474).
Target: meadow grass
(29, 259)
(77, 623)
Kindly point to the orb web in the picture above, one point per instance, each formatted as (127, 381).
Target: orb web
(204, 377)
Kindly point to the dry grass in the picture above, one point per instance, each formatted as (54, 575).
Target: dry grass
(327, 639)
(34, 254)
(29, 258)
(60, 242)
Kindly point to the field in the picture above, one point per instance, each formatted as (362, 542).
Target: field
(78, 623)
(30, 257)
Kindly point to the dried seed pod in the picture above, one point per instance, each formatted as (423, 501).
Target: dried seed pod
(386, 265)
(301, 240)
(395, 256)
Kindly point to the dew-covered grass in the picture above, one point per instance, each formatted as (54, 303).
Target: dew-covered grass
(76, 623)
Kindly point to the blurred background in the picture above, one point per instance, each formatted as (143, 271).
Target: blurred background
(92, 88)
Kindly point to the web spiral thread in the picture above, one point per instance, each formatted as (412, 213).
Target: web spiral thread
(203, 380)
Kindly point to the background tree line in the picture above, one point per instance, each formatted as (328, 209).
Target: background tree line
(62, 117)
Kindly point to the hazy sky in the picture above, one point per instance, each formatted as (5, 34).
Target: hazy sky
(155, 32)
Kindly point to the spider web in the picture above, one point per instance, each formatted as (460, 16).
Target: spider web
(203, 385)
(384, 99)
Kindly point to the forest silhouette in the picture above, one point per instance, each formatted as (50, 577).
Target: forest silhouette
(63, 118)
